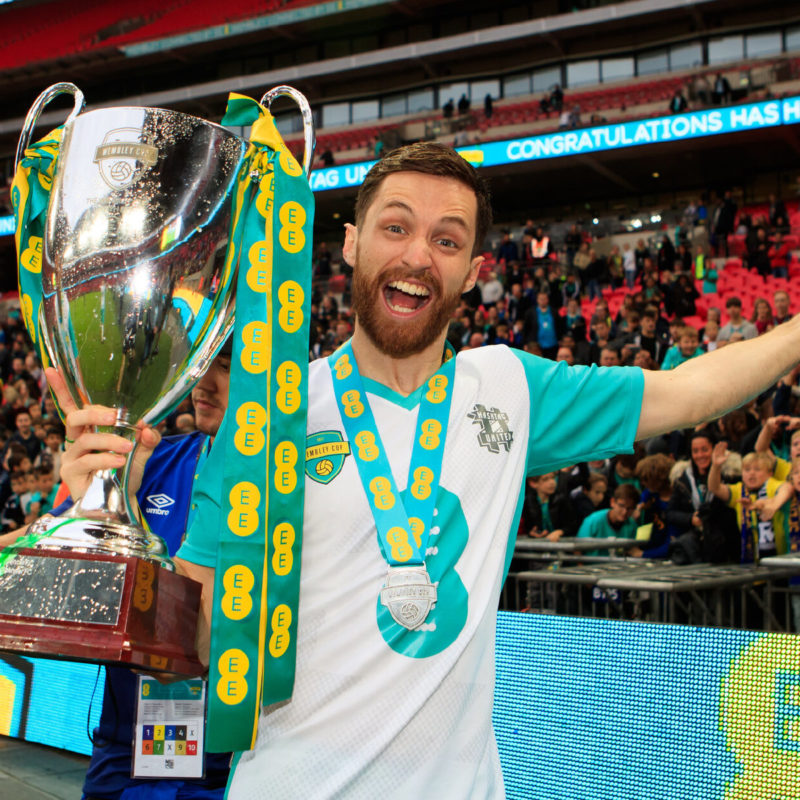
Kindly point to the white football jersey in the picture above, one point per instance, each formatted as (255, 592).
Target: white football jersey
(379, 711)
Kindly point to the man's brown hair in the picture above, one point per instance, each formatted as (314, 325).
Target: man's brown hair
(430, 158)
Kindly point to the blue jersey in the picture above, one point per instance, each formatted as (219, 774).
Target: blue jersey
(166, 502)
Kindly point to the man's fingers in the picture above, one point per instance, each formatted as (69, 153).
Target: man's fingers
(90, 415)
(88, 463)
(59, 387)
(89, 442)
(148, 440)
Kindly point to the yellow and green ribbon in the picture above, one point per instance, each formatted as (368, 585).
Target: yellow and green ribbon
(257, 584)
(30, 196)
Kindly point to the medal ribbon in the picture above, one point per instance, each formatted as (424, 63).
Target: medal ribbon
(396, 516)
(30, 196)
(257, 579)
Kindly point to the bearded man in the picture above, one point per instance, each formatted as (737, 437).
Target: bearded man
(407, 539)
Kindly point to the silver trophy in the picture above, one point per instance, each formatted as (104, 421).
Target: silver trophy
(138, 291)
(137, 298)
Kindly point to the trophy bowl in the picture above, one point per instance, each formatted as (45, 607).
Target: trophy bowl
(138, 279)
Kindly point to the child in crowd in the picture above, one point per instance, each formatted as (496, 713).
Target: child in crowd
(710, 333)
(759, 537)
(47, 487)
(587, 499)
(653, 473)
(12, 516)
(787, 499)
(547, 516)
(624, 471)
(772, 439)
(618, 522)
(31, 499)
(687, 347)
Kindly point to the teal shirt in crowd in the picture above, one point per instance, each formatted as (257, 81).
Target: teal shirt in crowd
(597, 526)
(675, 358)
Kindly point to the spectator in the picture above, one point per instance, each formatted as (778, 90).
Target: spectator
(722, 223)
(492, 290)
(556, 97)
(544, 326)
(12, 517)
(722, 90)
(780, 436)
(678, 102)
(463, 104)
(565, 354)
(507, 251)
(782, 303)
(710, 335)
(547, 515)
(759, 537)
(629, 265)
(448, 108)
(687, 346)
(540, 247)
(778, 255)
(487, 106)
(572, 241)
(736, 322)
(656, 344)
(683, 296)
(570, 288)
(24, 434)
(777, 215)
(574, 321)
(653, 473)
(618, 522)
(590, 497)
(762, 316)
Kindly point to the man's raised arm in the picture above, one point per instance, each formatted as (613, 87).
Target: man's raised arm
(707, 387)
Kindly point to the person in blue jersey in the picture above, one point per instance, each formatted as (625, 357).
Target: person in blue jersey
(379, 708)
(165, 500)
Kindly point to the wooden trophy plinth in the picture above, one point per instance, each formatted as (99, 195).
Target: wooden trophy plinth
(103, 608)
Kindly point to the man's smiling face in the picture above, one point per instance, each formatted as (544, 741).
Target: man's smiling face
(412, 259)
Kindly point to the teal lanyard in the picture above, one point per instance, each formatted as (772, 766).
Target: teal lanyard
(396, 516)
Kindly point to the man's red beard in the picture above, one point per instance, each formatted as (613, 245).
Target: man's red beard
(396, 338)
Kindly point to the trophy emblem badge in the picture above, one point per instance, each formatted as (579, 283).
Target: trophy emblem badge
(120, 155)
(409, 595)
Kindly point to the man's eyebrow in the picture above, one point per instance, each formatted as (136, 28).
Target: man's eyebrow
(455, 219)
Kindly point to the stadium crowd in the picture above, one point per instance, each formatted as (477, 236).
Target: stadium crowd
(552, 299)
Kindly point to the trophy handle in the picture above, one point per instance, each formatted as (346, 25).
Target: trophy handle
(309, 137)
(36, 109)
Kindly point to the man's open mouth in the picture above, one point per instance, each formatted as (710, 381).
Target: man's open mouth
(403, 297)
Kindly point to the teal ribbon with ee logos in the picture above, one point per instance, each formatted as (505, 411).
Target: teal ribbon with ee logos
(257, 578)
(403, 522)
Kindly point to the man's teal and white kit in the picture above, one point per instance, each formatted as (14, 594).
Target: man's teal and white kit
(380, 711)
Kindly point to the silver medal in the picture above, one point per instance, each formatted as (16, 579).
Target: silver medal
(409, 595)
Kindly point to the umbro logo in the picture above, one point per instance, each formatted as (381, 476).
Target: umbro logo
(160, 500)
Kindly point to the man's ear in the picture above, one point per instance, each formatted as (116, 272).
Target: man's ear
(350, 243)
(472, 275)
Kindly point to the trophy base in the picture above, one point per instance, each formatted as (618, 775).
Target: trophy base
(105, 534)
(103, 608)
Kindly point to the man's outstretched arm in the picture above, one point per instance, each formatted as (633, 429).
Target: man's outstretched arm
(709, 386)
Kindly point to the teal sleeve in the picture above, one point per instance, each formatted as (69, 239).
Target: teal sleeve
(200, 544)
(579, 413)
